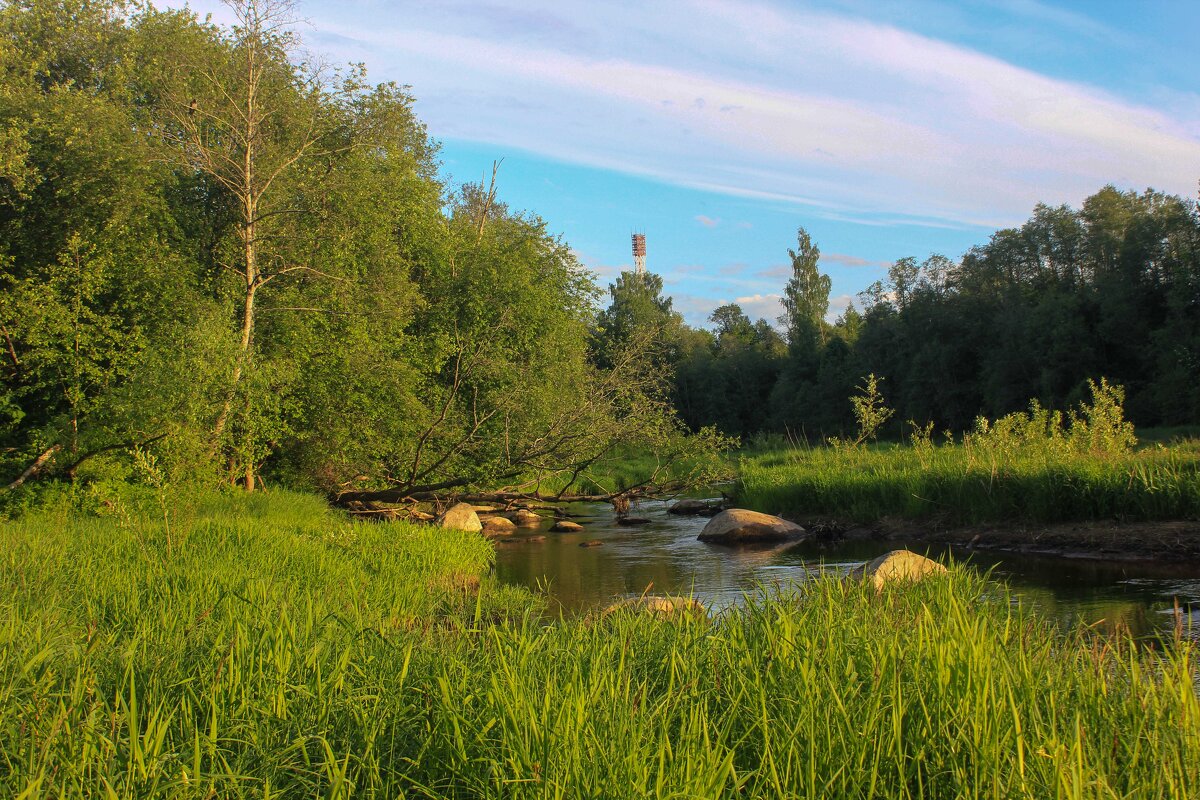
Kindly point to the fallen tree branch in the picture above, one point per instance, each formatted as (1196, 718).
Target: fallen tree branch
(35, 467)
(71, 470)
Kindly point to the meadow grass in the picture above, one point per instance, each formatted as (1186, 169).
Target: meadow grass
(959, 484)
(268, 648)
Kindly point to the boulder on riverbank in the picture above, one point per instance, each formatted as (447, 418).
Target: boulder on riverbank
(566, 526)
(657, 606)
(898, 566)
(739, 525)
(461, 517)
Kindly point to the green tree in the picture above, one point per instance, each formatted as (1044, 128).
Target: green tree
(806, 296)
(638, 311)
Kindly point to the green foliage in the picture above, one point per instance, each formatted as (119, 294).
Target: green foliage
(217, 253)
(870, 412)
(280, 650)
(806, 296)
(1106, 289)
(1038, 465)
(638, 311)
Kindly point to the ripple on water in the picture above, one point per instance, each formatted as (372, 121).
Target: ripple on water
(664, 557)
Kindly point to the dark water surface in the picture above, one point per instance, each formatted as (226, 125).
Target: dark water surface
(665, 558)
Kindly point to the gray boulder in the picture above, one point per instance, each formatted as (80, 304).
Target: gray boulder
(460, 517)
(898, 566)
(739, 525)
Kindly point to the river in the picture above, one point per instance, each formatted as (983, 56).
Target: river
(664, 557)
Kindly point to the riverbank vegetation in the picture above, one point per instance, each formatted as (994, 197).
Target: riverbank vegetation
(1034, 466)
(217, 251)
(1109, 289)
(261, 645)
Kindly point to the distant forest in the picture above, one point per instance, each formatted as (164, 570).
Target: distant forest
(1111, 289)
(223, 261)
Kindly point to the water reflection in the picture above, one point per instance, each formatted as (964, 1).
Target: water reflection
(664, 557)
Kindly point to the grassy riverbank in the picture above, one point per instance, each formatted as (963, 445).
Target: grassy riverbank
(231, 646)
(963, 485)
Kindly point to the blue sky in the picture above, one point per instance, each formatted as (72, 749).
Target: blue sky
(885, 128)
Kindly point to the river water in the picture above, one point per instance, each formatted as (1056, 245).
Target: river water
(664, 557)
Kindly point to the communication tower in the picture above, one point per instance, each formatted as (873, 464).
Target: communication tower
(639, 253)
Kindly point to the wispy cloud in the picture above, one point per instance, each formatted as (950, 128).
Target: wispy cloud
(866, 122)
(844, 260)
(706, 221)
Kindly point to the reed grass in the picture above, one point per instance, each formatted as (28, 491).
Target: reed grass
(957, 484)
(272, 649)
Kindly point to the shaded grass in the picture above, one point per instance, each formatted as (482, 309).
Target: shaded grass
(960, 484)
(279, 651)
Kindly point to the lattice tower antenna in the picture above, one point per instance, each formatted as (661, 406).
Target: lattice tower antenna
(639, 253)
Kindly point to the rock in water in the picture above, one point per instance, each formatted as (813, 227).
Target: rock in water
(566, 526)
(689, 507)
(524, 518)
(461, 517)
(658, 606)
(498, 526)
(898, 566)
(738, 525)
(592, 543)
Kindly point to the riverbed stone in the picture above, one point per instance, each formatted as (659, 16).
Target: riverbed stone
(566, 526)
(689, 507)
(740, 525)
(630, 522)
(898, 566)
(524, 518)
(592, 543)
(658, 606)
(462, 517)
(498, 526)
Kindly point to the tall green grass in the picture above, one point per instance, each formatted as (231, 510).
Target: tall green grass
(956, 484)
(275, 650)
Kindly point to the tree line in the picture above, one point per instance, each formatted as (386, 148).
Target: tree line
(240, 263)
(1111, 289)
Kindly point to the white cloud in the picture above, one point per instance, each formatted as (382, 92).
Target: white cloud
(864, 122)
(761, 306)
(837, 305)
(708, 222)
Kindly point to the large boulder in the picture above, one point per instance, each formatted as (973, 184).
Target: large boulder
(657, 606)
(498, 526)
(898, 566)
(738, 525)
(460, 517)
(566, 526)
